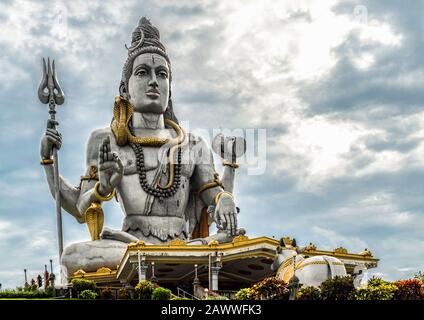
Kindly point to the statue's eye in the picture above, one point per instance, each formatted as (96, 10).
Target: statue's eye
(163, 74)
(141, 72)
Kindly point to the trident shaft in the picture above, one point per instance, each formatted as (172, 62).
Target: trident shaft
(50, 92)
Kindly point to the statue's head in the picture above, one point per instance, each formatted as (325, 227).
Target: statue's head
(146, 75)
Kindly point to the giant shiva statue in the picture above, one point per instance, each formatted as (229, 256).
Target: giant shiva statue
(163, 178)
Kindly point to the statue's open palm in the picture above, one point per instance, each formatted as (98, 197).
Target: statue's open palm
(110, 167)
(225, 214)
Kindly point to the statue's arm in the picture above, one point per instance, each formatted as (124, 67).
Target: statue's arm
(204, 172)
(87, 196)
(108, 167)
(68, 193)
(225, 213)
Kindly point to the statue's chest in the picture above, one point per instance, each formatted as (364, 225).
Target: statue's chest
(153, 158)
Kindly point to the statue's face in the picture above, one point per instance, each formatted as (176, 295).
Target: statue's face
(148, 85)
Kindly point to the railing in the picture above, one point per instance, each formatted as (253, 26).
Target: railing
(184, 294)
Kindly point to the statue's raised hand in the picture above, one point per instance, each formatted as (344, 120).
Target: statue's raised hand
(225, 214)
(51, 139)
(110, 168)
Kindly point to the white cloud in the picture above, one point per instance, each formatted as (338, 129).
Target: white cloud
(235, 64)
(332, 239)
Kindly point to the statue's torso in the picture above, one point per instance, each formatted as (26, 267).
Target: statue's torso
(144, 214)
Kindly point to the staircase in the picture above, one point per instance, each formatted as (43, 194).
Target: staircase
(184, 294)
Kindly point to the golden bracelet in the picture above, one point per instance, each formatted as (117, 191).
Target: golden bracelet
(219, 194)
(229, 164)
(99, 196)
(44, 162)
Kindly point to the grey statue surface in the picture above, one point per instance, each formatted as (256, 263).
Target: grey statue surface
(163, 178)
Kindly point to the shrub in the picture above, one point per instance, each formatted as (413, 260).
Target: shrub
(338, 288)
(82, 284)
(49, 291)
(210, 297)
(32, 288)
(161, 294)
(123, 294)
(180, 298)
(377, 289)
(308, 293)
(245, 294)
(412, 289)
(270, 288)
(88, 295)
(144, 289)
(13, 294)
(107, 293)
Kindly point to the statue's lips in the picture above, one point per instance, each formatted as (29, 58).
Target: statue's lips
(153, 94)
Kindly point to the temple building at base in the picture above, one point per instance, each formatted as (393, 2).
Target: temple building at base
(221, 268)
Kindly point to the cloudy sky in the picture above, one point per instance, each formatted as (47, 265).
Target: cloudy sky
(336, 85)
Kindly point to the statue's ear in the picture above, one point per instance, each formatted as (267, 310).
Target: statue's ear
(123, 90)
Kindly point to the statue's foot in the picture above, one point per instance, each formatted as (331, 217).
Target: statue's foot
(221, 236)
(90, 256)
(117, 235)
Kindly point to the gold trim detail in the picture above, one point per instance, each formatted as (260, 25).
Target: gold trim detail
(311, 247)
(340, 250)
(213, 243)
(79, 273)
(104, 270)
(94, 217)
(366, 253)
(301, 266)
(101, 197)
(287, 241)
(44, 162)
(177, 242)
(240, 238)
(139, 243)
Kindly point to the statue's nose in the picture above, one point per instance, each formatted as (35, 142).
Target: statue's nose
(153, 80)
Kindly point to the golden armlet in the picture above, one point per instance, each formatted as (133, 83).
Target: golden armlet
(101, 197)
(94, 217)
(44, 162)
(219, 194)
(211, 184)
